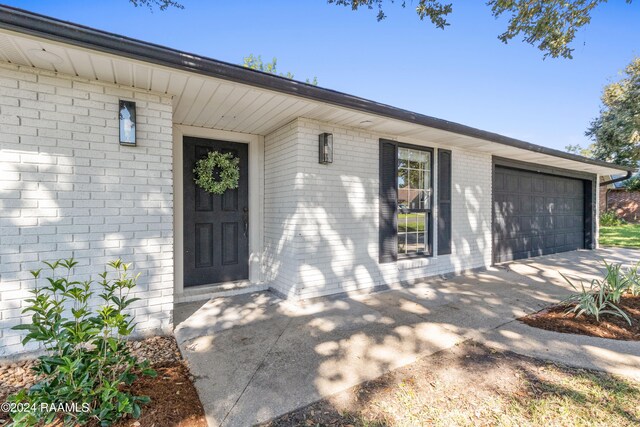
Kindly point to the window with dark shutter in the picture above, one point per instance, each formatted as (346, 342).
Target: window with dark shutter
(406, 220)
(388, 201)
(444, 202)
(415, 175)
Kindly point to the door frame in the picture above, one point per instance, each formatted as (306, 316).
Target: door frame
(590, 195)
(256, 198)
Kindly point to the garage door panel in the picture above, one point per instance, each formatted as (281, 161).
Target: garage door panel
(524, 184)
(498, 183)
(536, 214)
(538, 185)
(512, 184)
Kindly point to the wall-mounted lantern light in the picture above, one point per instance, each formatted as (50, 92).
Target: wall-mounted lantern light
(325, 148)
(127, 113)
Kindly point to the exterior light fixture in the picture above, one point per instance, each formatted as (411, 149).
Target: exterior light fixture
(325, 148)
(127, 113)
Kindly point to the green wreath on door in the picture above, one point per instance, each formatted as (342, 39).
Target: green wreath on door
(205, 169)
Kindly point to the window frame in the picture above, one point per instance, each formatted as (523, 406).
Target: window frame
(429, 220)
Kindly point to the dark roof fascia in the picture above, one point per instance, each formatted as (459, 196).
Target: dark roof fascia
(33, 24)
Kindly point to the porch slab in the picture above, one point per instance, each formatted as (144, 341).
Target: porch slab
(256, 356)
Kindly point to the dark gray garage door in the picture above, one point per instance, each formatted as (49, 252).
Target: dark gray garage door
(535, 214)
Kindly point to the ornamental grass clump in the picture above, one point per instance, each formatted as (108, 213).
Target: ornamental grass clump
(87, 365)
(633, 276)
(602, 296)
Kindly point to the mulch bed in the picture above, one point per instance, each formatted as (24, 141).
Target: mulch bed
(174, 400)
(556, 319)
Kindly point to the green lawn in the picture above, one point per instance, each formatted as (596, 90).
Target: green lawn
(411, 222)
(622, 235)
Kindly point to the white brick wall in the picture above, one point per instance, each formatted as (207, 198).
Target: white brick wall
(329, 241)
(67, 188)
(281, 210)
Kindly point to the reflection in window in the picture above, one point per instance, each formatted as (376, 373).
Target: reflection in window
(414, 201)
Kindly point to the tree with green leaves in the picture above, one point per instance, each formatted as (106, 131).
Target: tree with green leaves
(616, 132)
(550, 25)
(160, 4)
(580, 150)
(633, 183)
(256, 63)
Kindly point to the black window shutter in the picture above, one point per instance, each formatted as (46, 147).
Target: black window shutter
(444, 202)
(388, 201)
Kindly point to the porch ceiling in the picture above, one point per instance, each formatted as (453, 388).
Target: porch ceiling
(210, 102)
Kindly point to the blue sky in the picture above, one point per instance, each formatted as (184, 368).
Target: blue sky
(464, 73)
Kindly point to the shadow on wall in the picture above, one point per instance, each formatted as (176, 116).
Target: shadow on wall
(273, 356)
(337, 235)
(474, 236)
(333, 231)
(60, 204)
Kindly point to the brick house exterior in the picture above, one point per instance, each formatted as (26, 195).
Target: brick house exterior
(68, 188)
(66, 192)
(625, 203)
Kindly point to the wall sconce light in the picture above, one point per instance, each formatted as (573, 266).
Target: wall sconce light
(127, 113)
(325, 148)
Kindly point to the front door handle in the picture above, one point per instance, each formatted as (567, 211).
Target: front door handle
(245, 219)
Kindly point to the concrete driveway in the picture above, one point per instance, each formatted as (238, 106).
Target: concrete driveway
(256, 357)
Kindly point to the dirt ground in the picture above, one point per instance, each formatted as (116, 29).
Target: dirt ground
(610, 326)
(174, 400)
(472, 385)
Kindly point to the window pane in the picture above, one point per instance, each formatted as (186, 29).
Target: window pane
(412, 232)
(403, 157)
(414, 192)
(414, 178)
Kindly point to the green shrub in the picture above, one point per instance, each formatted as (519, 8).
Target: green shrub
(602, 296)
(611, 219)
(87, 362)
(633, 275)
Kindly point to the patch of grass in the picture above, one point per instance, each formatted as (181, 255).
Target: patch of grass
(472, 385)
(574, 397)
(558, 397)
(622, 235)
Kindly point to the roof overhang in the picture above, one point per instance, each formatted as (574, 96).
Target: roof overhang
(215, 94)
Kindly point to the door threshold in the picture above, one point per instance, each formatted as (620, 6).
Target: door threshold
(224, 289)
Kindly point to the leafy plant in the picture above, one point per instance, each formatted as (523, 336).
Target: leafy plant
(616, 281)
(87, 361)
(633, 276)
(632, 184)
(593, 301)
(603, 296)
(610, 219)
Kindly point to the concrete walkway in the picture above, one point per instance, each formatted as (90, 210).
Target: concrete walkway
(256, 357)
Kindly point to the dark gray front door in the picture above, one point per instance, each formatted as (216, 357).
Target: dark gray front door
(216, 228)
(536, 214)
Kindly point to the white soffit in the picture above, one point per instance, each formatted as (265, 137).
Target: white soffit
(210, 102)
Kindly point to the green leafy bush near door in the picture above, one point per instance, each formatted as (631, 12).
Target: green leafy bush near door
(87, 363)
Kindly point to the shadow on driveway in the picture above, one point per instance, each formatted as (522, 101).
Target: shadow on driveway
(256, 356)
